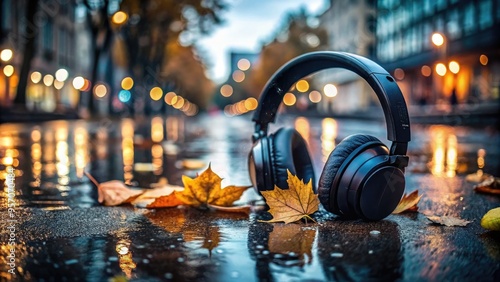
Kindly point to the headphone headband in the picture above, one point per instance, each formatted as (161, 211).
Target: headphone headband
(387, 90)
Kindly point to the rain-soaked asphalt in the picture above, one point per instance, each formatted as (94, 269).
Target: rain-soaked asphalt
(61, 233)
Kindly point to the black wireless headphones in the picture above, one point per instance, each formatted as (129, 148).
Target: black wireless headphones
(362, 178)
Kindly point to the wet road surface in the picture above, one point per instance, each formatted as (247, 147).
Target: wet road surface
(63, 234)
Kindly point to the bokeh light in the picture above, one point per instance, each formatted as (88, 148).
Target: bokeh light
(36, 77)
(226, 90)
(238, 76)
(6, 55)
(127, 83)
(426, 71)
(289, 99)
(244, 64)
(251, 104)
(454, 67)
(78, 82)
(302, 85)
(169, 96)
(58, 84)
(119, 17)
(124, 96)
(156, 93)
(330, 90)
(437, 39)
(8, 70)
(483, 59)
(399, 74)
(62, 75)
(441, 69)
(100, 90)
(178, 103)
(48, 79)
(315, 96)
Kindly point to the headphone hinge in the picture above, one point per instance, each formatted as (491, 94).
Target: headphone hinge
(260, 131)
(400, 161)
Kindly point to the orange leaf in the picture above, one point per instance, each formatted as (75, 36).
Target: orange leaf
(206, 189)
(162, 197)
(293, 204)
(114, 192)
(292, 238)
(167, 201)
(408, 203)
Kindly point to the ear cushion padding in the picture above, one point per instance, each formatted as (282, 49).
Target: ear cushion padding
(289, 151)
(334, 162)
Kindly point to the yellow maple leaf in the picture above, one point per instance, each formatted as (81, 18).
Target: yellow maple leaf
(408, 203)
(206, 190)
(292, 204)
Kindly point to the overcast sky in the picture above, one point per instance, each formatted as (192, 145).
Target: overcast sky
(247, 24)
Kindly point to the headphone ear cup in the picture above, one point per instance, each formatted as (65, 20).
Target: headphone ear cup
(326, 192)
(288, 151)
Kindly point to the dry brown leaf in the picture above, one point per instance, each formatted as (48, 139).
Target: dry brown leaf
(489, 186)
(114, 192)
(236, 209)
(206, 189)
(163, 196)
(448, 220)
(292, 204)
(292, 238)
(408, 203)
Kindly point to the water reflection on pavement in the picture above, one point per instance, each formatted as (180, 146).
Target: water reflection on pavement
(63, 234)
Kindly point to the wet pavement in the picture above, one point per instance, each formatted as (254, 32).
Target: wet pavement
(63, 234)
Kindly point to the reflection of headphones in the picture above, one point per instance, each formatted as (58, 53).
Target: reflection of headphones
(362, 178)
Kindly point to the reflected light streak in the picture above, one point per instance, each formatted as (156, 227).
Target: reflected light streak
(127, 264)
(36, 155)
(81, 150)
(62, 156)
(49, 153)
(329, 131)
(444, 151)
(157, 156)
(157, 129)
(172, 124)
(481, 153)
(451, 156)
(128, 149)
(303, 127)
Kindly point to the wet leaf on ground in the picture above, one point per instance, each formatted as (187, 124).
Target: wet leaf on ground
(491, 220)
(448, 220)
(292, 238)
(162, 197)
(489, 186)
(408, 203)
(292, 204)
(114, 192)
(206, 189)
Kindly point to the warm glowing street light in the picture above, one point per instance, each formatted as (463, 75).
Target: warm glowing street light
(483, 59)
(441, 69)
(61, 75)
(238, 76)
(437, 39)
(127, 83)
(156, 93)
(8, 70)
(454, 67)
(100, 90)
(119, 17)
(36, 77)
(302, 85)
(289, 99)
(243, 64)
(6, 55)
(315, 96)
(78, 82)
(330, 90)
(226, 90)
(169, 96)
(48, 79)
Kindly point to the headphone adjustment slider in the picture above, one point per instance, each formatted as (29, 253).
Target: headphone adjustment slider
(260, 132)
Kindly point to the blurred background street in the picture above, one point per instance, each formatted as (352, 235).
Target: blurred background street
(148, 91)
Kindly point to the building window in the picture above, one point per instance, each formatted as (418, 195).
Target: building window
(6, 15)
(485, 14)
(469, 16)
(453, 26)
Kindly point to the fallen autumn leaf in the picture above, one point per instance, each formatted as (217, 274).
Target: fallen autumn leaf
(448, 220)
(292, 204)
(206, 189)
(408, 203)
(114, 192)
(491, 220)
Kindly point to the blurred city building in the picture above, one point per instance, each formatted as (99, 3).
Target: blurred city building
(441, 52)
(350, 27)
(60, 53)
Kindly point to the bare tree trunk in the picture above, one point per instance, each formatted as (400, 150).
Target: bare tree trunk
(29, 51)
